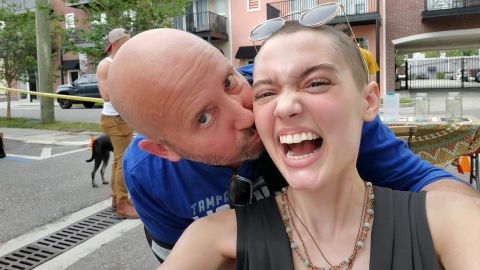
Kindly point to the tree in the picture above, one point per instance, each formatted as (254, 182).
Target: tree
(134, 15)
(464, 52)
(432, 54)
(17, 46)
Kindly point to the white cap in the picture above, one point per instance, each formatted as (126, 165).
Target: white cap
(115, 35)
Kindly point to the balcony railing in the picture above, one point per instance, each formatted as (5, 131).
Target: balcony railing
(450, 4)
(352, 7)
(201, 22)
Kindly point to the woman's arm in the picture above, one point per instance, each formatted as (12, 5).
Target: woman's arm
(452, 185)
(454, 222)
(208, 243)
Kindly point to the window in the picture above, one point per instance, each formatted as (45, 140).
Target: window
(92, 78)
(360, 8)
(354, 7)
(72, 75)
(253, 5)
(301, 5)
(82, 80)
(362, 42)
(221, 7)
(69, 21)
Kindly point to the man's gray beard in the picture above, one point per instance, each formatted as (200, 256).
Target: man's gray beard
(244, 151)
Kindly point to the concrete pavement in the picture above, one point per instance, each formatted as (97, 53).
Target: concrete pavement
(41, 136)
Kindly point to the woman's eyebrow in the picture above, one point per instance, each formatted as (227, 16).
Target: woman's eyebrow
(302, 74)
(261, 82)
(324, 66)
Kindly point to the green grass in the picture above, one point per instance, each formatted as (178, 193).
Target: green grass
(22, 122)
(402, 101)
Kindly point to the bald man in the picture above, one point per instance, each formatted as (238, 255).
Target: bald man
(195, 111)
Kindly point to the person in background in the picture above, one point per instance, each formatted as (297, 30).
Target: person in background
(115, 127)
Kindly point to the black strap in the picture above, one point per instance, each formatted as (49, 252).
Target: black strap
(262, 242)
(272, 176)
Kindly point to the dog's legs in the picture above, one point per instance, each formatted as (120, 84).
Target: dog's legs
(104, 165)
(95, 168)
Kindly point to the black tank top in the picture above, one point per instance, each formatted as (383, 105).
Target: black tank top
(401, 238)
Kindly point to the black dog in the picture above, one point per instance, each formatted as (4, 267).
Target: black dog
(101, 148)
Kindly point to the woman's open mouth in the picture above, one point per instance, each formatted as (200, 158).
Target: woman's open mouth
(301, 145)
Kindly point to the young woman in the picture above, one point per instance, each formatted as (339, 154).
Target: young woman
(311, 96)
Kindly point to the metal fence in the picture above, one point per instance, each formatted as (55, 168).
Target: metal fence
(352, 7)
(437, 73)
(450, 4)
(201, 22)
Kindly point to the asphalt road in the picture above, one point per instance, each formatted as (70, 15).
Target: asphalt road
(38, 193)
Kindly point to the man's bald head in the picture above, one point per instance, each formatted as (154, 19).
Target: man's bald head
(148, 69)
(183, 94)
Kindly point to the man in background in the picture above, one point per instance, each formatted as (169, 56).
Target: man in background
(115, 127)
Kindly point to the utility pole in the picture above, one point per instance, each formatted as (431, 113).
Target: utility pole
(44, 58)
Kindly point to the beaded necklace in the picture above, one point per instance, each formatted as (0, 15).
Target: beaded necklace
(365, 225)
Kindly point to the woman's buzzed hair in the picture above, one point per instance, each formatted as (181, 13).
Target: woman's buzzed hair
(347, 48)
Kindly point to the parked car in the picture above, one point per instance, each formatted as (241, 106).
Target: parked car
(469, 74)
(477, 77)
(85, 86)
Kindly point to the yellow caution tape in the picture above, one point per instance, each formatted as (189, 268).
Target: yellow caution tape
(51, 95)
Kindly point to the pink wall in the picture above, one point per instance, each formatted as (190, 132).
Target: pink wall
(242, 22)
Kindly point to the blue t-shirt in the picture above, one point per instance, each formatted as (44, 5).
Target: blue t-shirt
(168, 196)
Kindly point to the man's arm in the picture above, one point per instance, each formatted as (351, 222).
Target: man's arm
(102, 74)
(386, 161)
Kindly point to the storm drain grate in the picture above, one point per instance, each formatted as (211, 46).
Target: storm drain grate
(38, 252)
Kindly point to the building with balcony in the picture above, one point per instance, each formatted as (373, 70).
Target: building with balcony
(208, 19)
(363, 15)
(415, 26)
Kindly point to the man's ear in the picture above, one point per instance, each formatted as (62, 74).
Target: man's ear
(159, 150)
(371, 96)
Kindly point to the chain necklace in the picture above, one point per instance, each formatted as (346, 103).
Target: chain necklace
(365, 225)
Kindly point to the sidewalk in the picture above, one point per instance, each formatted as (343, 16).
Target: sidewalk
(41, 136)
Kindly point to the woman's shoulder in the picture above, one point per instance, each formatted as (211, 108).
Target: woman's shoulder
(217, 231)
(444, 202)
(221, 222)
(454, 220)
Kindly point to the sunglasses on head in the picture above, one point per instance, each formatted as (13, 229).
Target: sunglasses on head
(310, 17)
(239, 190)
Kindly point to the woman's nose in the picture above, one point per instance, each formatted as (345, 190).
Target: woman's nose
(287, 106)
